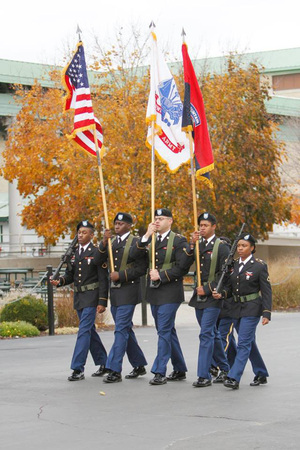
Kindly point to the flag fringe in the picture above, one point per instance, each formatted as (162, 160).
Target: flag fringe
(63, 80)
(187, 129)
(151, 119)
(80, 130)
(102, 151)
(205, 169)
(149, 145)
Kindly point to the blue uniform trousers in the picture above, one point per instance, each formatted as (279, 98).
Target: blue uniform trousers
(210, 342)
(168, 343)
(125, 340)
(226, 327)
(247, 349)
(87, 340)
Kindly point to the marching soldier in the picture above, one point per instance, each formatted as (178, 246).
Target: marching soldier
(166, 294)
(130, 263)
(89, 275)
(251, 289)
(226, 323)
(213, 253)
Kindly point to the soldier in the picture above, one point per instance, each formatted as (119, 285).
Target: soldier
(90, 278)
(213, 253)
(130, 263)
(249, 283)
(226, 323)
(166, 295)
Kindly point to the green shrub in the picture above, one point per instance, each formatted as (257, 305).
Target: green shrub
(22, 329)
(28, 309)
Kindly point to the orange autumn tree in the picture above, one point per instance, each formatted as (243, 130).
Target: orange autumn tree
(247, 183)
(61, 181)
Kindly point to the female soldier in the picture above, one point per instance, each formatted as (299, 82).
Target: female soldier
(250, 286)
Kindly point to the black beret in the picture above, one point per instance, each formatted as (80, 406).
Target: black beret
(247, 237)
(163, 212)
(123, 217)
(207, 216)
(85, 224)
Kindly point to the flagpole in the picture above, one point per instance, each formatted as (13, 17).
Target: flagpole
(198, 271)
(191, 142)
(110, 254)
(153, 191)
(152, 26)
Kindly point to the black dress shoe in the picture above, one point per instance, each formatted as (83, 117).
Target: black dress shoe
(100, 372)
(214, 371)
(136, 372)
(113, 377)
(176, 375)
(76, 376)
(202, 382)
(158, 379)
(258, 379)
(231, 383)
(221, 377)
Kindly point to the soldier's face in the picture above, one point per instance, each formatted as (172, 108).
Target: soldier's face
(244, 249)
(121, 227)
(207, 229)
(85, 235)
(162, 223)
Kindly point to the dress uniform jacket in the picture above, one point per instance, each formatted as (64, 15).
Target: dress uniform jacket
(205, 261)
(252, 279)
(229, 309)
(137, 263)
(170, 289)
(87, 269)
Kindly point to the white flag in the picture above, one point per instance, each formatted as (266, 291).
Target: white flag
(165, 108)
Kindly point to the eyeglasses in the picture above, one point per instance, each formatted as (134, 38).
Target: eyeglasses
(160, 218)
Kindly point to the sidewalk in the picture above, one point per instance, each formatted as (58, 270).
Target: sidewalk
(40, 409)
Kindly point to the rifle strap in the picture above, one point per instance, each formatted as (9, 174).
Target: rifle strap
(167, 261)
(126, 253)
(124, 260)
(214, 260)
(213, 263)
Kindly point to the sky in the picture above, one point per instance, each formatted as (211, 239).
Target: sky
(44, 31)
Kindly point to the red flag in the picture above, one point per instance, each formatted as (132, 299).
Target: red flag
(194, 119)
(79, 98)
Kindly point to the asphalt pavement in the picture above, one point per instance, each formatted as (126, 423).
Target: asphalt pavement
(40, 409)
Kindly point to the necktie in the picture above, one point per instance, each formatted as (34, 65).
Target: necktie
(241, 266)
(159, 239)
(204, 242)
(118, 239)
(80, 250)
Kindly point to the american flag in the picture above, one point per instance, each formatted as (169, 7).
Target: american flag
(79, 98)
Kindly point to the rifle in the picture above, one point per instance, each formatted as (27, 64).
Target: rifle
(229, 261)
(66, 258)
